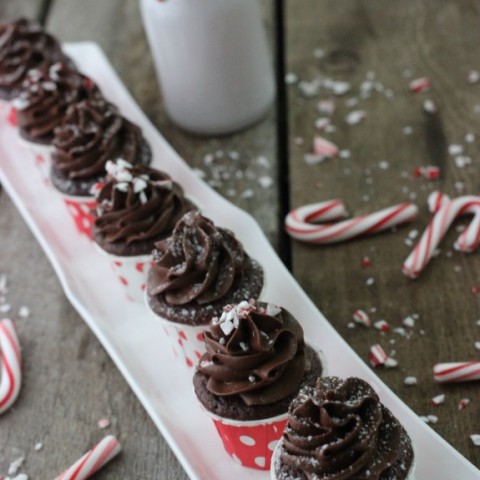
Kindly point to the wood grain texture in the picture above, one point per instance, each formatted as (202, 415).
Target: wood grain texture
(356, 41)
(27, 8)
(70, 382)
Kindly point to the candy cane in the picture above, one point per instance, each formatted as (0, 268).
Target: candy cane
(434, 233)
(456, 372)
(10, 365)
(93, 460)
(298, 226)
(469, 240)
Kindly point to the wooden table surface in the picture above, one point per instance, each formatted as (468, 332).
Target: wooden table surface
(70, 382)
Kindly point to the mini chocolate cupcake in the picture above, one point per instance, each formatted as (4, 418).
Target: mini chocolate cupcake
(92, 133)
(199, 269)
(46, 94)
(255, 364)
(339, 429)
(24, 45)
(137, 207)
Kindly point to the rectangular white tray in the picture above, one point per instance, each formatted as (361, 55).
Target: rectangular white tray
(134, 341)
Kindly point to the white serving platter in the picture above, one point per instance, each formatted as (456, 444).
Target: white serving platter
(134, 340)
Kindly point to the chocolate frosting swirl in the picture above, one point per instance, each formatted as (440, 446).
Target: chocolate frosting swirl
(138, 204)
(24, 45)
(256, 351)
(199, 263)
(92, 133)
(339, 430)
(46, 94)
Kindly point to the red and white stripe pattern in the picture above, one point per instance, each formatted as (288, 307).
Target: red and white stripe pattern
(456, 372)
(362, 318)
(469, 240)
(324, 148)
(377, 355)
(93, 460)
(10, 365)
(298, 222)
(419, 85)
(436, 230)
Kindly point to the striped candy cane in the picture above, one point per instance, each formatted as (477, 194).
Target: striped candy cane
(10, 365)
(469, 240)
(434, 233)
(456, 372)
(297, 222)
(93, 460)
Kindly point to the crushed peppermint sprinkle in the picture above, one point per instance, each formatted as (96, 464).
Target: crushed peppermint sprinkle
(38, 446)
(391, 363)
(463, 403)
(477, 345)
(251, 378)
(382, 325)
(429, 418)
(291, 78)
(366, 262)
(473, 76)
(475, 437)
(455, 149)
(420, 85)
(15, 465)
(24, 312)
(272, 309)
(429, 106)
(103, 423)
(231, 316)
(409, 321)
(362, 318)
(355, 117)
(438, 399)
(370, 281)
(410, 381)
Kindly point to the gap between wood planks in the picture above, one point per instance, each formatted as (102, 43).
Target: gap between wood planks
(284, 242)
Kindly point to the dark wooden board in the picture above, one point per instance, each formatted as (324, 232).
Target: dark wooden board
(393, 44)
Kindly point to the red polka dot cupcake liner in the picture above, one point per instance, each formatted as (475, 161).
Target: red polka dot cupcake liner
(8, 113)
(80, 209)
(131, 272)
(186, 341)
(250, 443)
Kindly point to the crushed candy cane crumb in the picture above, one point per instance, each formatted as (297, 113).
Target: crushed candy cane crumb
(103, 423)
(438, 399)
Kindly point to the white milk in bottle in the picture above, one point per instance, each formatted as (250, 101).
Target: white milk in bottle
(212, 62)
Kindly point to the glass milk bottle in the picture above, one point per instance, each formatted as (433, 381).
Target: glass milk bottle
(212, 62)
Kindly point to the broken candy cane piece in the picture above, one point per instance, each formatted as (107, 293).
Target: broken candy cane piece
(420, 85)
(93, 460)
(10, 365)
(456, 372)
(298, 223)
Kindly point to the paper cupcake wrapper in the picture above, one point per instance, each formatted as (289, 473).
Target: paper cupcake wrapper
(186, 341)
(250, 443)
(80, 209)
(41, 155)
(131, 273)
(8, 112)
(276, 455)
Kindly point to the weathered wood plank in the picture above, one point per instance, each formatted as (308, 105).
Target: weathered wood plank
(358, 41)
(70, 382)
(28, 8)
